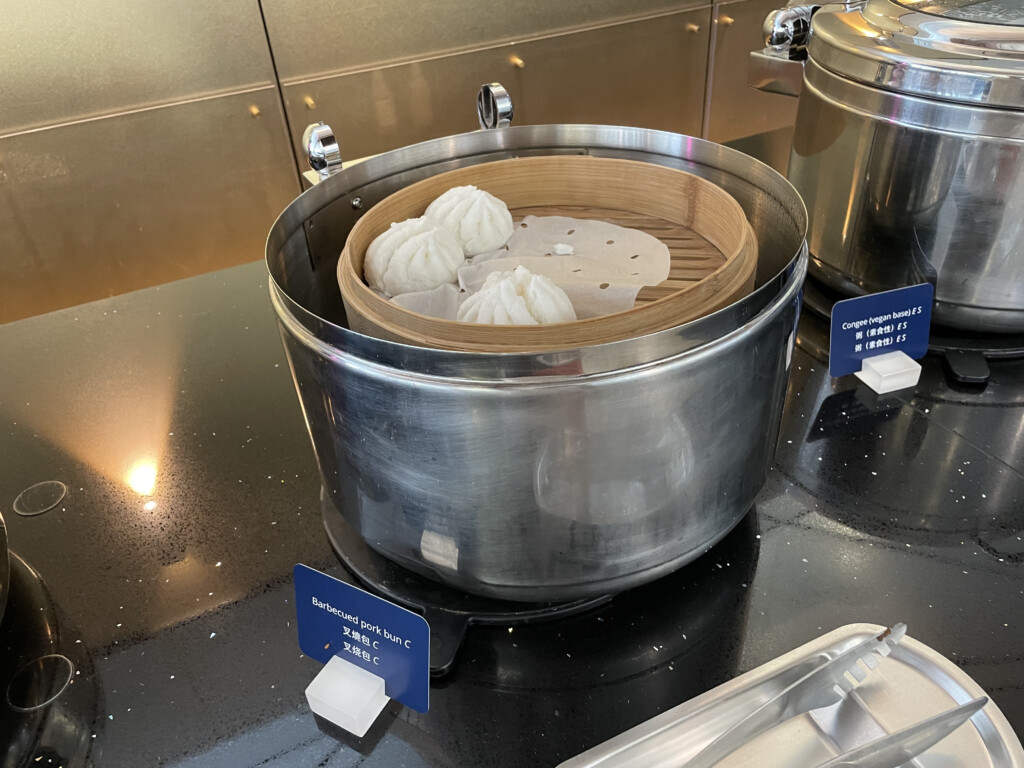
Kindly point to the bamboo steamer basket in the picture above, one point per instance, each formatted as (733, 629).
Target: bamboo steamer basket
(712, 247)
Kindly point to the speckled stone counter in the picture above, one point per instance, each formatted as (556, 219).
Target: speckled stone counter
(164, 574)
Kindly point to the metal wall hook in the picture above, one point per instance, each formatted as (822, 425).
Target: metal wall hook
(321, 149)
(494, 106)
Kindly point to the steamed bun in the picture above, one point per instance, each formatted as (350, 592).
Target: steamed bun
(413, 255)
(480, 221)
(518, 297)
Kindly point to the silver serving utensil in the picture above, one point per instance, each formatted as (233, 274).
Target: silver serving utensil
(821, 687)
(898, 748)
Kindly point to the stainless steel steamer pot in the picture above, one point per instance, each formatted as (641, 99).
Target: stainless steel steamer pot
(551, 476)
(909, 149)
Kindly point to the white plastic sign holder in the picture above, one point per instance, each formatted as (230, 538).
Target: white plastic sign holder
(348, 696)
(889, 372)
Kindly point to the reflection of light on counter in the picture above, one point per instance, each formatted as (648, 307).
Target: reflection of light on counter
(191, 587)
(115, 424)
(149, 506)
(141, 478)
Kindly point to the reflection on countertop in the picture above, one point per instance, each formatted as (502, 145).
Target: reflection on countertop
(192, 491)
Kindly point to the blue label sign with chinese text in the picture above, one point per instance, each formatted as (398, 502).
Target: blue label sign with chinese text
(878, 323)
(337, 619)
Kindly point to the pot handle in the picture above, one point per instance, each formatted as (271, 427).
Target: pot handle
(322, 152)
(494, 106)
(778, 68)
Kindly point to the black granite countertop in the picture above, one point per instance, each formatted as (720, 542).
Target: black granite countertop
(164, 574)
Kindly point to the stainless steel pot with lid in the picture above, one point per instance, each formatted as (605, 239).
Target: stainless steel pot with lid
(908, 148)
(548, 476)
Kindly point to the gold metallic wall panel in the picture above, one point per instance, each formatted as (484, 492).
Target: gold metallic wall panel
(109, 206)
(647, 73)
(734, 109)
(314, 39)
(66, 61)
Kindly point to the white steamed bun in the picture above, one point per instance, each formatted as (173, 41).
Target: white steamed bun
(480, 221)
(413, 255)
(517, 298)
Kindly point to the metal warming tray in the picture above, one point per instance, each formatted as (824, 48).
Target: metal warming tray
(913, 683)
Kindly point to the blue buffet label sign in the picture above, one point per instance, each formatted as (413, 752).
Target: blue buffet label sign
(878, 323)
(337, 619)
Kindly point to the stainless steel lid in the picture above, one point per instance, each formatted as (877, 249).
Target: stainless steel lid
(968, 51)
